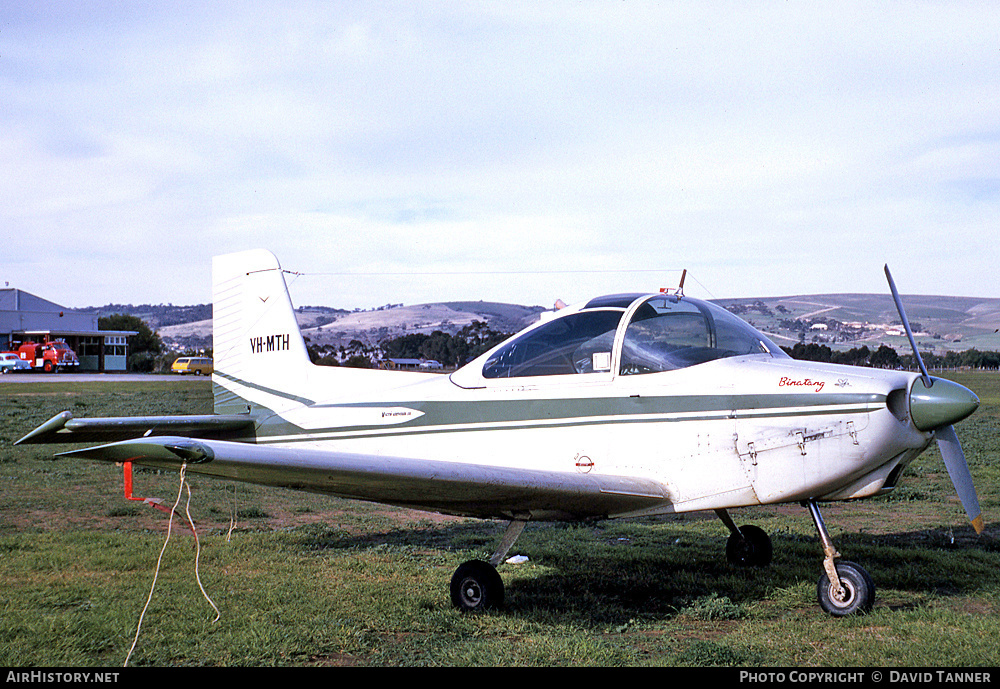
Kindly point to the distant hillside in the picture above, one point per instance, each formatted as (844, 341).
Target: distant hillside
(371, 327)
(501, 317)
(329, 326)
(841, 321)
(158, 316)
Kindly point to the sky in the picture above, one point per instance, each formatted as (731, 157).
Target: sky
(408, 152)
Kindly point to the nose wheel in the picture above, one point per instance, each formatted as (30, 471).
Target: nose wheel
(845, 587)
(855, 592)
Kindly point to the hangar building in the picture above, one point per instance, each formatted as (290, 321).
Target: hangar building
(27, 318)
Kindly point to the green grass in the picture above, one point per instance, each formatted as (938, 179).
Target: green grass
(308, 580)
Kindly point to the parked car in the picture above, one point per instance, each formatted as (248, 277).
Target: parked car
(198, 365)
(12, 363)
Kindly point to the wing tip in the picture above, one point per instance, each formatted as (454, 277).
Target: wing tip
(43, 432)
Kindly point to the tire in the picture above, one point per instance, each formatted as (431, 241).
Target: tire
(749, 548)
(858, 586)
(476, 586)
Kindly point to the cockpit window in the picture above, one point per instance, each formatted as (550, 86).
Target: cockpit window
(664, 333)
(668, 333)
(578, 343)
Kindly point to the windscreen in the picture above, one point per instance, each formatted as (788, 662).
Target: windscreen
(578, 343)
(667, 333)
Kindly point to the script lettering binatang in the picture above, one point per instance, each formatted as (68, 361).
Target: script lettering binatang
(817, 385)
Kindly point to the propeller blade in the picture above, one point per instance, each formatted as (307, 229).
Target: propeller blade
(906, 327)
(958, 469)
(951, 449)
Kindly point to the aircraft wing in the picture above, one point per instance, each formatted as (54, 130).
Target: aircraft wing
(64, 428)
(448, 487)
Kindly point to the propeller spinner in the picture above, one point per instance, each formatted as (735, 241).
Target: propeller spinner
(936, 404)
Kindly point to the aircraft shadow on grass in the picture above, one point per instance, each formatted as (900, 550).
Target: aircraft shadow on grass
(607, 577)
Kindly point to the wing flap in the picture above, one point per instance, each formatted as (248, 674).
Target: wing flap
(64, 428)
(448, 487)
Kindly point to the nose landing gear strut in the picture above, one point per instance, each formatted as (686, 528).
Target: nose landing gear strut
(845, 587)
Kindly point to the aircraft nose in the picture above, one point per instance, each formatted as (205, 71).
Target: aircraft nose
(941, 404)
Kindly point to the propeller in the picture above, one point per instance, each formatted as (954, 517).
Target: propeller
(935, 408)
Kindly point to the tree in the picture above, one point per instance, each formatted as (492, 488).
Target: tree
(884, 357)
(449, 350)
(405, 346)
(856, 356)
(810, 352)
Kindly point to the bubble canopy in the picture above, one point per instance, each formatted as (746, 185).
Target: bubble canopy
(630, 335)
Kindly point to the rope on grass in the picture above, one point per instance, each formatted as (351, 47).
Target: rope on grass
(180, 491)
(232, 516)
(197, 552)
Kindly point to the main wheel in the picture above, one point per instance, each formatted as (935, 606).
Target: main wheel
(751, 547)
(476, 586)
(859, 591)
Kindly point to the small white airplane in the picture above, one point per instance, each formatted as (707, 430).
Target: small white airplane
(627, 405)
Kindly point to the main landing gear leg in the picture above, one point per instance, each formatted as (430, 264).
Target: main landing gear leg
(476, 586)
(748, 545)
(845, 587)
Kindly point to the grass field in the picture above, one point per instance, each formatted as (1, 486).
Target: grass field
(301, 579)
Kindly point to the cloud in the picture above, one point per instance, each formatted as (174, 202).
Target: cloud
(769, 149)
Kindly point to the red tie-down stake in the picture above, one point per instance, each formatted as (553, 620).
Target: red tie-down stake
(155, 503)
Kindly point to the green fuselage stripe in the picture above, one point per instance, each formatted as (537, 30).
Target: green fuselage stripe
(487, 415)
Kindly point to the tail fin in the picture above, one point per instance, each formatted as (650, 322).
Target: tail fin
(260, 356)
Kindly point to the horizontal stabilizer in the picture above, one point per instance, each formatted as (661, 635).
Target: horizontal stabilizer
(449, 487)
(64, 428)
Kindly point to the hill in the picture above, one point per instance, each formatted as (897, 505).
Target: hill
(338, 327)
(158, 316)
(841, 321)
(371, 327)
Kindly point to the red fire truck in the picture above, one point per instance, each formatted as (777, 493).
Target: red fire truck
(47, 356)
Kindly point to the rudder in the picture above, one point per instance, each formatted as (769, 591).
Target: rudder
(260, 355)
